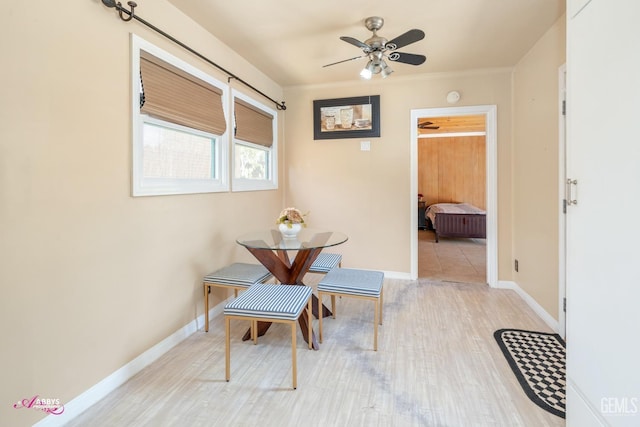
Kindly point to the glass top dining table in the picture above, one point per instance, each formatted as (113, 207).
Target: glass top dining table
(273, 250)
(307, 238)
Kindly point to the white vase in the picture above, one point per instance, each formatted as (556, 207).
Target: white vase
(290, 231)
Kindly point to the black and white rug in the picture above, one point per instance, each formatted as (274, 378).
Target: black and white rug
(538, 360)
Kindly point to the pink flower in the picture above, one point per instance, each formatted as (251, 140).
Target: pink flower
(291, 216)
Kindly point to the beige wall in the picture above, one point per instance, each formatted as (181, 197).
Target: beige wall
(91, 277)
(535, 168)
(367, 194)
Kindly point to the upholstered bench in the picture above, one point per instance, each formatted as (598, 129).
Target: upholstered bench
(234, 276)
(269, 303)
(325, 262)
(349, 282)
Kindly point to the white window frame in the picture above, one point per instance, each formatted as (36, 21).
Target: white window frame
(154, 186)
(271, 182)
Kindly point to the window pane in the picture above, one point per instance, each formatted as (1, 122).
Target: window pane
(250, 163)
(171, 153)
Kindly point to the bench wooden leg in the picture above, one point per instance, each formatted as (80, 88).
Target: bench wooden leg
(333, 306)
(320, 317)
(309, 311)
(206, 308)
(376, 315)
(227, 358)
(254, 331)
(293, 355)
(381, 305)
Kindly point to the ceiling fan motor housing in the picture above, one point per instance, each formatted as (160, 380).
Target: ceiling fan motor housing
(373, 23)
(375, 42)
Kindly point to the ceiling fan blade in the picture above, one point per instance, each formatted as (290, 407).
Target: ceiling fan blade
(407, 58)
(355, 42)
(344, 60)
(407, 38)
(427, 125)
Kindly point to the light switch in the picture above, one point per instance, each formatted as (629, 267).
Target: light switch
(365, 145)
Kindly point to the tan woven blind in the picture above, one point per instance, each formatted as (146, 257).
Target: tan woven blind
(175, 96)
(253, 124)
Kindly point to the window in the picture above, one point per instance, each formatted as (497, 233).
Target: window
(176, 152)
(180, 138)
(255, 154)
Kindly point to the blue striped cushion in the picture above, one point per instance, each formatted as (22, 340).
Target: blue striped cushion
(238, 274)
(352, 281)
(270, 301)
(325, 262)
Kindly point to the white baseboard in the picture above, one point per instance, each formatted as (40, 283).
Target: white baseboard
(91, 396)
(537, 308)
(397, 275)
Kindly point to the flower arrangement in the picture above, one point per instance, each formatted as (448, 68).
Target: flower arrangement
(290, 216)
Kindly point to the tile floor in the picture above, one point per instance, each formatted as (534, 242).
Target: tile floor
(451, 259)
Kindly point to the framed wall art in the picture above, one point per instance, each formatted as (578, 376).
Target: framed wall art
(356, 117)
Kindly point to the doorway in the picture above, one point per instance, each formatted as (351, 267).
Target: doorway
(490, 115)
(451, 169)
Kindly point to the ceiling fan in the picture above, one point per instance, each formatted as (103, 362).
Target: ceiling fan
(427, 125)
(377, 49)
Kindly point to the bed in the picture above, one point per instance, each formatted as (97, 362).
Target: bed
(457, 220)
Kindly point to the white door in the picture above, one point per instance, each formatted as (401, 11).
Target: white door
(603, 228)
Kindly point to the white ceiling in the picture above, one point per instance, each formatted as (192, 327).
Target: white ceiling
(290, 40)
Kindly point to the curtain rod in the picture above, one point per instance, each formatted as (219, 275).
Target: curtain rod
(122, 11)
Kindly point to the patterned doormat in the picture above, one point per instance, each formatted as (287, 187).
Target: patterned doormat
(538, 360)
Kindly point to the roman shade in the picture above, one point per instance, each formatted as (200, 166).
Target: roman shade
(253, 124)
(178, 97)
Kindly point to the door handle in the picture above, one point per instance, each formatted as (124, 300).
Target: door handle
(571, 199)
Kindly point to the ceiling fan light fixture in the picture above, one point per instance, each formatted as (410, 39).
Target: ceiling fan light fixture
(367, 71)
(385, 69)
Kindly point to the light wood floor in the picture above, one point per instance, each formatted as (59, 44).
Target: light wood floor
(451, 259)
(437, 365)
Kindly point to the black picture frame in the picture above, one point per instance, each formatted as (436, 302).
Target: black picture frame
(363, 113)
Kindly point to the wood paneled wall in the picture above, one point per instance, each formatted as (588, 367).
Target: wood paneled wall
(452, 170)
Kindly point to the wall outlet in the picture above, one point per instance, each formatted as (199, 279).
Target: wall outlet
(516, 265)
(365, 145)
